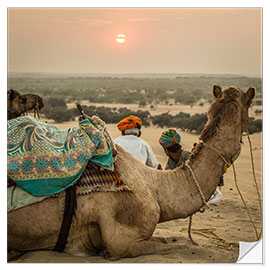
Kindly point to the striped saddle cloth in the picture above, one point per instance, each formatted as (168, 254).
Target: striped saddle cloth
(97, 179)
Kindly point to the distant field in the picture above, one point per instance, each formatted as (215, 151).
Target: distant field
(148, 90)
(163, 108)
(157, 99)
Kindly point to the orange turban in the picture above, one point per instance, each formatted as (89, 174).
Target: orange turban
(130, 122)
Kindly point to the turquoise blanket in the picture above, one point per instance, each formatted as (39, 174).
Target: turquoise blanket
(44, 160)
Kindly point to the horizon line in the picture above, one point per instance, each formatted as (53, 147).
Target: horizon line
(136, 73)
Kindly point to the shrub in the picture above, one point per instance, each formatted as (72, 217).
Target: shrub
(162, 120)
(59, 114)
(56, 102)
(254, 125)
(142, 103)
(182, 120)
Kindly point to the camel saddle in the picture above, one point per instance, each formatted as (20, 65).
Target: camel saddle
(43, 160)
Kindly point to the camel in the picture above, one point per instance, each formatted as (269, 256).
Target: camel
(15, 104)
(121, 224)
(35, 102)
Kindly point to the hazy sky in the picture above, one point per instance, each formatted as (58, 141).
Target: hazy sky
(158, 40)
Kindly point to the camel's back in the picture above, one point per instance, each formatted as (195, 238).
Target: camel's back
(133, 172)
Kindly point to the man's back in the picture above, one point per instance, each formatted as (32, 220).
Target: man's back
(140, 149)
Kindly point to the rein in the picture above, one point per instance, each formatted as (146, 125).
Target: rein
(227, 163)
(205, 203)
(226, 166)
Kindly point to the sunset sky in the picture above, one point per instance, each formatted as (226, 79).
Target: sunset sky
(157, 40)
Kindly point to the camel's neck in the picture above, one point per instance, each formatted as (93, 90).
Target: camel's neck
(177, 193)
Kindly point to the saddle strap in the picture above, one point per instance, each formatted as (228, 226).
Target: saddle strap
(70, 209)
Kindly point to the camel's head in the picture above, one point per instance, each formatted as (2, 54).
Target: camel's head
(230, 107)
(16, 102)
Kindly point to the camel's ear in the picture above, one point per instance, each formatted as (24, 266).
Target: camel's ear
(217, 92)
(250, 95)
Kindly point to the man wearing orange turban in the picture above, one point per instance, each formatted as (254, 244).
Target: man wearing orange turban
(132, 143)
(129, 122)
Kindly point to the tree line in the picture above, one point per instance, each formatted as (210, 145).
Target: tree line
(143, 91)
(57, 110)
(179, 89)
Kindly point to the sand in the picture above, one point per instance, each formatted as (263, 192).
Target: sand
(217, 231)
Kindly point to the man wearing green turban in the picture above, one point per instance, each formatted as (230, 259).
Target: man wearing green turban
(170, 141)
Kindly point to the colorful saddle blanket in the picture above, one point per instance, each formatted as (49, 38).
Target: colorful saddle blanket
(93, 179)
(44, 160)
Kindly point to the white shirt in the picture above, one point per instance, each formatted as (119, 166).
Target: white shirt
(139, 148)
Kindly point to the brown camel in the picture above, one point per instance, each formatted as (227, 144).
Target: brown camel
(15, 104)
(121, 224)
(35, 102)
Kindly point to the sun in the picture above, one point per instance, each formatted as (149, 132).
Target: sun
(120, 38)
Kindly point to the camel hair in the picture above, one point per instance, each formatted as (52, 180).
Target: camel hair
(19, 104)
(15, 104)
(121, 224)
(33, 102)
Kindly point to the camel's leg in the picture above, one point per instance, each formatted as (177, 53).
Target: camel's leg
(36, 112)
(148, 247)
(120, 240)
(144, 247)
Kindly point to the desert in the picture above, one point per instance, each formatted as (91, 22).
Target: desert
(171, 66)
(217, 231)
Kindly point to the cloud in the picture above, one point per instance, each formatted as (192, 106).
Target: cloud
(81, 22)
(143, 19)
(98, 23)
(60, 21)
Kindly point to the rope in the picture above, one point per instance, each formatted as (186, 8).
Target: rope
(242, 198)
(227, 164)
(205, 204)
(101, 126)
(189, 231)
(220, 242)
(254, 177)
(213, 148)
(198, 186)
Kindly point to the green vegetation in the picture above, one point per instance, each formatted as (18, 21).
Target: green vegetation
(183, 121)
(189, 90)
(181, 89)
(254, 125)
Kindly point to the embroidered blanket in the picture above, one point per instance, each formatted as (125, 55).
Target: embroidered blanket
(44, 160)
(93, 179)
